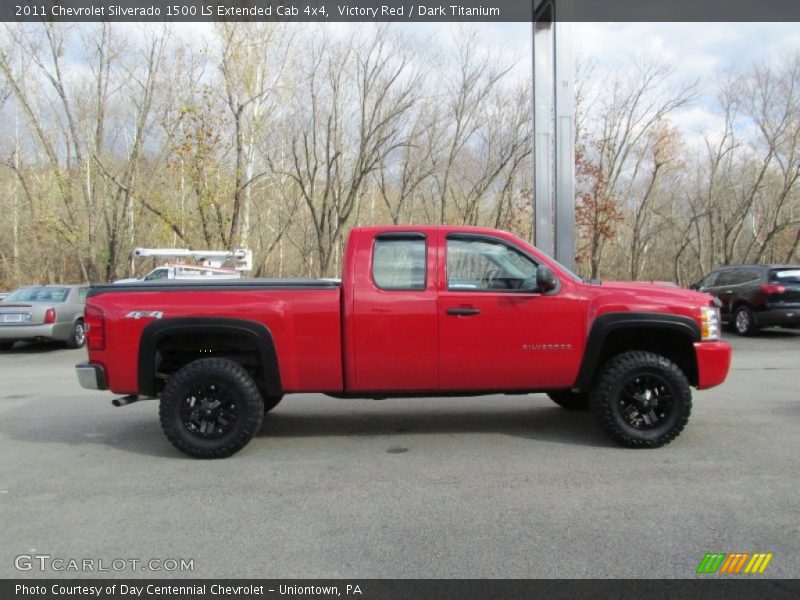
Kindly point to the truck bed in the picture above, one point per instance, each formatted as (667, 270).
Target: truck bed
(303, 317)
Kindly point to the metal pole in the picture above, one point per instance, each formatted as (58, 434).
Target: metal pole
(554, 130)
(565, 136)
(543, 133)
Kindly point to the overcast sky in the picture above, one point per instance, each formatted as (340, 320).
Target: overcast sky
(699, 51)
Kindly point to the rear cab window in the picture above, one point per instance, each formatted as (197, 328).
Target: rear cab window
(399, 262)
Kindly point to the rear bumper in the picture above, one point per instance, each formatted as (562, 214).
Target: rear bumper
(56, 331)
(779, 316)
(713, 363)
(91, 376)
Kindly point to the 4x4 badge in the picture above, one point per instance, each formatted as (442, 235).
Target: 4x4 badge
(144, 314)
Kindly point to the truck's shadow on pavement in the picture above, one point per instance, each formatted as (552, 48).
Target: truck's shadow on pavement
(547, 424)
(140, 433)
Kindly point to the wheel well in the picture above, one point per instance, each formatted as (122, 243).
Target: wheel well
(168, 347)
(179, 349)
(670, 343)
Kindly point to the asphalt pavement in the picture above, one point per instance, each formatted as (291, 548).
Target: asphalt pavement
(488, 487)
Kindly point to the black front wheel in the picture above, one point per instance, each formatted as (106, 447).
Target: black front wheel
(211, 408)
(641, 400)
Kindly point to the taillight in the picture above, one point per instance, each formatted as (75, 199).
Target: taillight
(771, 288)
(50, 316)
(95, 328)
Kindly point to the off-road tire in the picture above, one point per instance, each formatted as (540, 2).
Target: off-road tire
(77, 338)
(607, 396)
(744, 321)
(244, 401)
(569, 399)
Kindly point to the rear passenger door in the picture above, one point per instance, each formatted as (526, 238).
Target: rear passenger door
(395, 319)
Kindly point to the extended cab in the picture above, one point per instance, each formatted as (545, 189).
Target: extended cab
(419, 311)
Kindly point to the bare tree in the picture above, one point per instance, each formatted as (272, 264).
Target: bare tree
(346, 131)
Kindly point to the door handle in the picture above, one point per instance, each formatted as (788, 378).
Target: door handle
(464, 311)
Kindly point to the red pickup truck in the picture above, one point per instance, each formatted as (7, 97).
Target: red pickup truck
(420, 311)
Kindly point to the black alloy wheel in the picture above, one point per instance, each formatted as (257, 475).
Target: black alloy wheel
(211, 408)
(641, 399)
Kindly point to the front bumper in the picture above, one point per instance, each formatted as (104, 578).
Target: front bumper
(91, 376)
(713, 363)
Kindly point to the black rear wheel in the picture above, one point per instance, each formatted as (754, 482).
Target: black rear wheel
(569, 399)
(641, 400)
(6, 345)
(211, 408)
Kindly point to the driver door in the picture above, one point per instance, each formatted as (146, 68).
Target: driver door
(496, 332)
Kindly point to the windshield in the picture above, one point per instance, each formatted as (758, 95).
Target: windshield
(38, 294)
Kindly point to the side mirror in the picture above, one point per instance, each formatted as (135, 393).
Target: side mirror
(545, 279)
(695, 286)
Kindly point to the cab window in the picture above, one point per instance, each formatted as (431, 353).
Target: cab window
(479, 264)
(399, 263)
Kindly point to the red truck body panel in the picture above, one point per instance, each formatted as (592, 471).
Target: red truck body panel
(305, 326)
(358, 338)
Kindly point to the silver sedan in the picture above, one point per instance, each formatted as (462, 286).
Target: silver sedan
(44, 312)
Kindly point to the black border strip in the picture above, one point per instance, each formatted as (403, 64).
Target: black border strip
(708, 588)
(407, 11)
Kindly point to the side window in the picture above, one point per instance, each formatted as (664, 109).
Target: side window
(477, 264)
(156, 274)
(399, 263)
(740, 276)
(710, 280)
(726, 278)
(82, 293)
(752, 275)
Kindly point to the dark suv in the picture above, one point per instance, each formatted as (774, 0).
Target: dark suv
(755, 296)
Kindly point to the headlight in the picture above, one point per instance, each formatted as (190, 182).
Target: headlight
(709, 323)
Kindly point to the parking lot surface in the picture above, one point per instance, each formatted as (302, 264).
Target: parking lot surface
(488, 487)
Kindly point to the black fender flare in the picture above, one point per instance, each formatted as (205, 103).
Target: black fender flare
(608, 323)
(159, 329)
